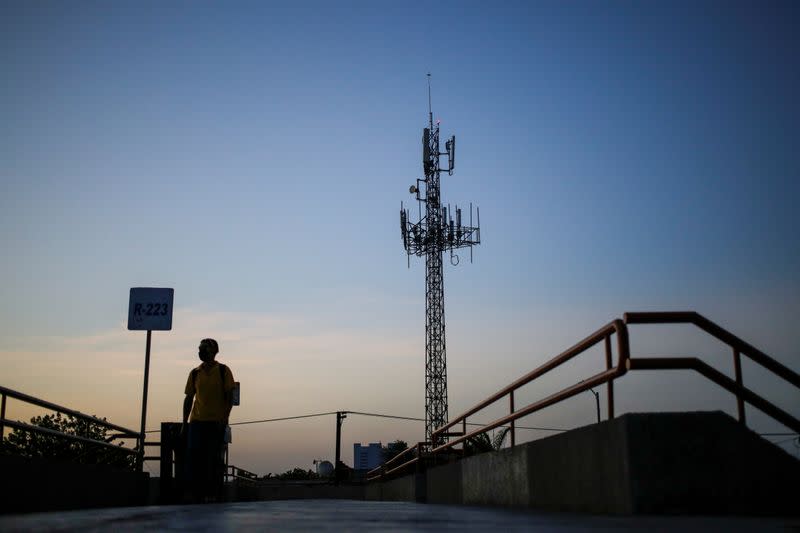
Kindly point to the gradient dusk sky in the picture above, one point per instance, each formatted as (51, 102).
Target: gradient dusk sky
(253, 156)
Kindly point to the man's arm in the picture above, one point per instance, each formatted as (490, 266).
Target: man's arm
(187, 406)
(228, 404)
(228, 395)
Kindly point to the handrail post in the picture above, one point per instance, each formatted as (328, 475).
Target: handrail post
(511, 411)
(2, 417)
(464, 444)
(610, 384)
(737, 366)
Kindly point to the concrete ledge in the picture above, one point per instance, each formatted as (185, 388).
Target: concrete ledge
(401, 489)
(408, 488)
(373, 492)
(30, 485)
(692, 463)
(499, 478)
(583, 470)
(444, 484)
(650, 463)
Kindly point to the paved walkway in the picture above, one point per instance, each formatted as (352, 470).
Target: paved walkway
(350, 515)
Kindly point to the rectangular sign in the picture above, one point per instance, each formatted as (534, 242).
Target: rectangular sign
(150, 308)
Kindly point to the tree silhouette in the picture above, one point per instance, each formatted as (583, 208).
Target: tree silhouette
(393, 449)
(298, 473)
(483, 443)
(31, 444)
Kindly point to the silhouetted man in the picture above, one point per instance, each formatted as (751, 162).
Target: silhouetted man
(209, 398)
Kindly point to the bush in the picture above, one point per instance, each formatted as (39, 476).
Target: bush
(30, 444)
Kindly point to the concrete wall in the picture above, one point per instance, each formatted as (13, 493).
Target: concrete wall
(661, 463)
(496, 478)
(410, 488)
(444, 484)
(707, 463)
(582, 470)
(30, 485)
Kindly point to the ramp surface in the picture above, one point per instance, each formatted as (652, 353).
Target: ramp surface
(351, 515)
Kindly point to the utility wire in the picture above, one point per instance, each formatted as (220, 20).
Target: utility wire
(283, 418)
(387, 416)
(378, 415)
(266, 420)
(423, 420)
(414, 419)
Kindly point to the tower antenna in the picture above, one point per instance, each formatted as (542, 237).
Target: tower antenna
(439, 229)
(430, 112)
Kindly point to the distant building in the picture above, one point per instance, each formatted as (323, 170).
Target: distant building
(367, 457)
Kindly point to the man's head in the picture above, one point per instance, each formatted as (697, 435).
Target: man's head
(207, 350)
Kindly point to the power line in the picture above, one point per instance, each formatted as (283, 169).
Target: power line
(387, 416)
(468, 423)
(283, 418)
(377, 415)
(266, 420)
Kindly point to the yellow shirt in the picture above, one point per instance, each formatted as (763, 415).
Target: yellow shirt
(209, 399)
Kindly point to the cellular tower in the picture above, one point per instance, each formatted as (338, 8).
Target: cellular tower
(438, 229)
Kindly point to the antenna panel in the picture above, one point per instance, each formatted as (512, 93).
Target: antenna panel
(426, 148)
(451, 154)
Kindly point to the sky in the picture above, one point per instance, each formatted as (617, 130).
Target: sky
(625, 156)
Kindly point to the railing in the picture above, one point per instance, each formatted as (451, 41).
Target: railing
(231, 472)
(611, 373)
(234, 473)
(624, 363)
(123, 433)
(739, 348)
(394, 465)
(604, 334)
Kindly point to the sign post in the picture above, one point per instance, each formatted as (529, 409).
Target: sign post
(148, 309)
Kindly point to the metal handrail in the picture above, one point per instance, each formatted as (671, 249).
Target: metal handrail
(738, 346)
(65, 410)
(598, 379)
(46, 431)
(234, 472)
(692, 317)
(624, 363)
(384, 470)
(123, 432)
(603, 334)
(693, 363)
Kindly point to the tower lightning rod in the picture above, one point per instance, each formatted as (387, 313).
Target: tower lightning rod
(430, 111)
